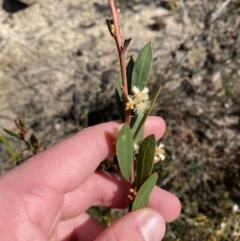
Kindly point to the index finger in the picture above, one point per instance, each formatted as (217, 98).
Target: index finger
(69, 163)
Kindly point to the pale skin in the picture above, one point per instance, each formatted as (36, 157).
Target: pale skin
(46, 197)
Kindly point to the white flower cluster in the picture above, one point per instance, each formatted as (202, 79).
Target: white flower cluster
(138, 102)
(158, 155)
(135, 150)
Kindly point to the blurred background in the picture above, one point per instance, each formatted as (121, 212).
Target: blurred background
(58, 67)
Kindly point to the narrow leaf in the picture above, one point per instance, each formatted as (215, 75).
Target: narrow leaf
(139, 136)
(142, 67)
(135, 121)
(126, 43)
(118, 97)
(144, 192)
(34, 142)
(146, 114)
(130, 66)
(144, 162)
(124, 149)
(12, 133)
(21, 123)
(10, 149)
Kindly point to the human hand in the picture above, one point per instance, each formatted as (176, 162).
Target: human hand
(46, 197)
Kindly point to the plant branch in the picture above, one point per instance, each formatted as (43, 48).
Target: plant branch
(116, 33)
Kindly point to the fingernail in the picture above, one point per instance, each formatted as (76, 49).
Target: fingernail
(152, 227)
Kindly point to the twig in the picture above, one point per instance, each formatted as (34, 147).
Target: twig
(116, 34)
(219, 10)
(185, 13)
(169, 178)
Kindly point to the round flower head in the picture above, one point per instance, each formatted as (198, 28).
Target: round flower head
(141, 107)
(145, 90)
(140, 96)
(139, 101)
(130, 104)
(135, 90)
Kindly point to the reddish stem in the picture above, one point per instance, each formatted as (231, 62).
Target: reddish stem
(121, 52)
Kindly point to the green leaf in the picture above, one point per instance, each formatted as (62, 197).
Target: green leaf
(124, 149)
(21, 123)
(130, 67)
(139, 136)
(12, 133)
(34, 142)
(135, 121)
(10, 149)
(106, 216)
(144, 162)
(142, 67)
(146, 114)
(144, 192)
(118, 97)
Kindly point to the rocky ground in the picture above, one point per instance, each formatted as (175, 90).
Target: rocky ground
(58, 66)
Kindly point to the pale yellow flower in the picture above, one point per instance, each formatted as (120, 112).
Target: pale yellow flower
(130, 104)
(141, 107)
(139, 101)
(159, 153)
(136, 148)
(140, 96)
(135, 90)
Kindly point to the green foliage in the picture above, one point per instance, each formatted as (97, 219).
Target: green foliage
(130, 67)
(135, 124)
(32, 144)
(118, 97)
(103, 214)
(142, 67)
(137, 77)
(144, 192)
(124, 150)
(20, 124)
(14, 155)
(144, 162)
(11, 133)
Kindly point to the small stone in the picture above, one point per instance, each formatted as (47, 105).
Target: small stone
(158, 24)
(57, 126)
(170, 5)
(76, 97)
(188, 44)
(79, 52)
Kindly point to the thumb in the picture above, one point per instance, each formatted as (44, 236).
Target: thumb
(143, 225)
